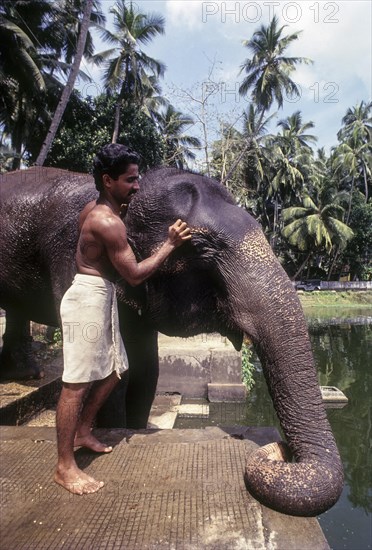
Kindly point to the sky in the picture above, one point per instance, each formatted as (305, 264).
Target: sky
(203, 51)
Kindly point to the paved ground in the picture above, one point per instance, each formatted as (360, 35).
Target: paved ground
(165, 489)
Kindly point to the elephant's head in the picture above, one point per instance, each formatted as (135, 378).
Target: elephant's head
(228, 280)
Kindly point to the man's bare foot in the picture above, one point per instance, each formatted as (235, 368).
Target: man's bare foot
(77, 482)
(90, 442)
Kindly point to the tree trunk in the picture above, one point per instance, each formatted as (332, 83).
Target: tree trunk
(365, 182)
(350, 201)
(204, 126)
(302, 266)
(69, 85)
(17, 134)
(275, 224)
(115, 134)
(335, 258)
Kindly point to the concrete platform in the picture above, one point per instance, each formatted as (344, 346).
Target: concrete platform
(206, 366)
(203, 366)
(21, 400)
(167, 489)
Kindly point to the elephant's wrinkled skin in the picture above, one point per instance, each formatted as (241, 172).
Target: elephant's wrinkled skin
(226, 280)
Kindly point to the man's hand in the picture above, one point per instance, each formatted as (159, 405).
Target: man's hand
(178, 233)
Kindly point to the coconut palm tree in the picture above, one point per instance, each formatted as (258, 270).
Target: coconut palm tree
(36, 46)
(294, 137)
(284, 184)
(21, 78)
(287, 177)
(66, 28)
(353, 157)
(232, 142)
(152, 100)
(315, 227)
(353, 160)
(294, 157)
(256, 134)
(357, 123)
(268, 72)
(128, 72)
(67, 90)
(18, 54)
(172, 125)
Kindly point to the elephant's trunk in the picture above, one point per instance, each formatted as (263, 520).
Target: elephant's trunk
(306, 488)
(275, 321)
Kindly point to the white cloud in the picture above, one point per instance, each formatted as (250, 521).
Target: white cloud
(339, 43)
(185, 13)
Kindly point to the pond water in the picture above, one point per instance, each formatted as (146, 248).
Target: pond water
(342, 346)
(343, 353)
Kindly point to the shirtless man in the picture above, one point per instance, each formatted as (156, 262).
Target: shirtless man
(94, 353)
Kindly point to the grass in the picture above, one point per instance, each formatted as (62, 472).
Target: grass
(332, 298)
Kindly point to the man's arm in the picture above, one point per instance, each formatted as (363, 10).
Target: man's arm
(114, 238)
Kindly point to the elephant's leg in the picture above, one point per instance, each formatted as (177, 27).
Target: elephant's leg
(16, 361)
(143, 378)
(112, 413)
(141, 343)
(130, 402)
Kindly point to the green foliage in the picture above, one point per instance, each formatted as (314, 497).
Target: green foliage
(57, 337)
(358, 252)
(74, 145)
(366, 273)
(248, 367)
(6, 159)
(87, 126)
(315, 227)
(140, 132)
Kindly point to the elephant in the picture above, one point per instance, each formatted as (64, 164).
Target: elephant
(226, 279)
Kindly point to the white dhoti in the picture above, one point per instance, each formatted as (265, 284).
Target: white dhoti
(92, 343)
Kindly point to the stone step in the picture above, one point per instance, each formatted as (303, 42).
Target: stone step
(164, 413)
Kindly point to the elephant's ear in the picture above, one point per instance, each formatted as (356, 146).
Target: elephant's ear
(168, 193)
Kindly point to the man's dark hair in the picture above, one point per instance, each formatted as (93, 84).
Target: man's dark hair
(113, 159)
